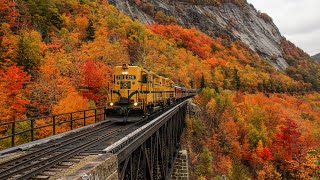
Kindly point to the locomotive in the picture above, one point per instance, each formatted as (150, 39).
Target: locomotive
(137, 93)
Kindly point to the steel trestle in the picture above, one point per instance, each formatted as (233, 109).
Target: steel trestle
(152, 154)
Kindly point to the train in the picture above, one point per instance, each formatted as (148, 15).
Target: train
(137, 93)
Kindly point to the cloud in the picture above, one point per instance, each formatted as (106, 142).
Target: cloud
(296, 19)
(309, 41)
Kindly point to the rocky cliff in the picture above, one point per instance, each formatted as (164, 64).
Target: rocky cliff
(238, 21)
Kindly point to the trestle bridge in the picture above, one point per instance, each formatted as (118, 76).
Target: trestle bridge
(142, 150)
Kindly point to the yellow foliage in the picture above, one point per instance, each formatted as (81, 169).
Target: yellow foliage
(103, 50)
(268, 172)
(66, 20)
(9, 49)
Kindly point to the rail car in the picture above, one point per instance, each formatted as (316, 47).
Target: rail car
(137, 93)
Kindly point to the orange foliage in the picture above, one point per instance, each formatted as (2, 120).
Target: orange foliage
(8, 12)
(8, 46)
(12, 82)
(71, 103)
(192, 39)
(49, 88)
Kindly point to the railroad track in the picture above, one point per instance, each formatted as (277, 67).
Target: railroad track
(45, 160)
(55, 155)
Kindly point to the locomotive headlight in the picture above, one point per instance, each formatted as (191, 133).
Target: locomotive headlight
(124, 73)
(111, 104)
(135, 104)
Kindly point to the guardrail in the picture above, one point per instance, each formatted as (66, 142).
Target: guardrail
(27, 130)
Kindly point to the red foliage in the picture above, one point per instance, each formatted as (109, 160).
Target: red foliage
(8, 12)
(54, 46)
(191, 39)
(247, 155)
(291, 50)
(95, 76)
(287, 140)
(138, 2)
(246, 152)
(265, 154)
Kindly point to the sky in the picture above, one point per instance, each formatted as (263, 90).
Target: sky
(297, 20)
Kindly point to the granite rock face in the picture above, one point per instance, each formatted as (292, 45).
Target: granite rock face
(240, 23)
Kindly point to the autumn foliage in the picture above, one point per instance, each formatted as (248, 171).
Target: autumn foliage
(95, 80)
(12, 88)
(8, 12)
(274, 136)
(254, 121)
(190, 39)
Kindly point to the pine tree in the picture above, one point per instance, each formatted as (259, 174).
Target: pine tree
(236, 79)
(90, 31)
(203, 82)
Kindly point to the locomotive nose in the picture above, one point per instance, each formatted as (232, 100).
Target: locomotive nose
(123, 100)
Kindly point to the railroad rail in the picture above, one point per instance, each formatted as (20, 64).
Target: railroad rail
(44, 160)
(51, 154)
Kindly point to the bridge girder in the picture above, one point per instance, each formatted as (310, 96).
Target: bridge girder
(152, 155)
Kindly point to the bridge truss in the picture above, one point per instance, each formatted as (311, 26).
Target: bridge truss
(153, 153)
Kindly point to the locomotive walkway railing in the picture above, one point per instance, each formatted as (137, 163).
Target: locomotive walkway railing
(27, 130)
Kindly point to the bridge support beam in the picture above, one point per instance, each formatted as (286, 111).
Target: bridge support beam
(153, 155)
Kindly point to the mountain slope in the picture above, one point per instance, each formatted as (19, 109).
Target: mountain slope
(239, 21)
(254, 122)
(316, 57)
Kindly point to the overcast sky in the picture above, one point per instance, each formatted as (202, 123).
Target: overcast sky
(297, 20)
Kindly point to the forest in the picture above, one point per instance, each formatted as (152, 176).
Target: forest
(255, 122)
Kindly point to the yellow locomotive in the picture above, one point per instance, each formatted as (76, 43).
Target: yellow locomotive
(137, 92)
